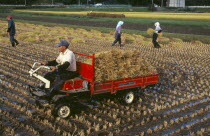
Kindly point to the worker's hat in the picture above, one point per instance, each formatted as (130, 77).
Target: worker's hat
(157, 24)
(62, 43)
(10, 17)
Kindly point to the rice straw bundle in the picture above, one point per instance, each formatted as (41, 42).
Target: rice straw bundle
(150, 31)
(117, 64)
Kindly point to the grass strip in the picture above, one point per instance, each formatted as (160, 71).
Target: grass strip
(153, 15)
(132, 20)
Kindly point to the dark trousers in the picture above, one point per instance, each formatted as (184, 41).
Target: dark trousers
(154, 40)
(13, 40)
(57, 79)
(117, 39)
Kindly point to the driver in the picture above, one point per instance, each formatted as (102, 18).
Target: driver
(63, 68)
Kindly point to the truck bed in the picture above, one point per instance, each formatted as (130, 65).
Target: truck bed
(86, 71)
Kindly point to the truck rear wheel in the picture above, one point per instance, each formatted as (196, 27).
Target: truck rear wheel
(62, 110)
(128, 97)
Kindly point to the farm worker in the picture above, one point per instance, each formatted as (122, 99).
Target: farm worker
(155, 35)
(11, 31)
(63, 68)
(118, 33)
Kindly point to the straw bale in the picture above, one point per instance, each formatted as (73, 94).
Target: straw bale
(117, 64)
(150, 31)
(106, 15)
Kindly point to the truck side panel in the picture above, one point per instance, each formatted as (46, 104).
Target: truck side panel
(152, 79)
(121, 84)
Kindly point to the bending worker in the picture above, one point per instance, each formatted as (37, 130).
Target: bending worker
(65, 70)
(155, 35)
(118, 33)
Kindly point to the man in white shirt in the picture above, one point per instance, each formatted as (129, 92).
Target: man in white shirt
(63, 68)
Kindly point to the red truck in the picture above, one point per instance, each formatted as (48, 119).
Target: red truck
(85, 87)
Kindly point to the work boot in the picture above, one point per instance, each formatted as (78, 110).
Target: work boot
(50, 92)
(155, 45)
(13, 44)
(16, 41)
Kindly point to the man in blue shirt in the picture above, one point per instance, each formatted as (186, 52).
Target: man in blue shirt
(11, 31)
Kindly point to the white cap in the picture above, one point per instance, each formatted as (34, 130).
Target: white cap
(120, 23)
(157, 24)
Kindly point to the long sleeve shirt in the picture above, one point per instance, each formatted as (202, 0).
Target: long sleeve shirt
(66, 61)
(11, 27)
(158, 29)
(118, 30)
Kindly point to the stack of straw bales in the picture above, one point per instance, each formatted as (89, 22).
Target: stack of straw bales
(117, 64)
(106, 15)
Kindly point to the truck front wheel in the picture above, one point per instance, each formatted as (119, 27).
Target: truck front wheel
(62, 110)
(128, 97)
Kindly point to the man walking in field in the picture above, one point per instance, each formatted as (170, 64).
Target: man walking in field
(11, 31)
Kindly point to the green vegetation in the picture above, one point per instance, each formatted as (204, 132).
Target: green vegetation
(4, 10)
(202, 10)
(148, 21)
(151, 15)
(189, 37)
(124, 9)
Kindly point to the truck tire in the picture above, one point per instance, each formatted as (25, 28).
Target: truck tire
(128, 97)
(62, 110)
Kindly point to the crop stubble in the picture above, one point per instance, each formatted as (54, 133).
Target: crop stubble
(178, 104)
